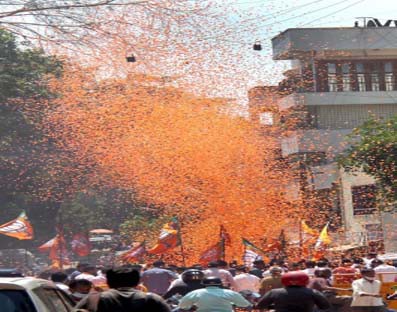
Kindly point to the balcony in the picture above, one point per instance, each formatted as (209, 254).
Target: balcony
(330, 142)
(338, 98)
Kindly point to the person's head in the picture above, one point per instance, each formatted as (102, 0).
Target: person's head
(159, 264)
(295, 279)
(376, 262)
(59, 277)
(275, 271)
(372, 255)
(122, 277)
(323, 273)
(368, 274)
(192, 276)
(259, 264)
(295, 266)
(80, 288)
(322, 264)
(90, 269)
(212, 281)
(347, 263)
(310, 264)
(81, 265)
(240, 269)
(222, 264)
(213, 264)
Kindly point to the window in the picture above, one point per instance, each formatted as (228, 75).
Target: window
(332, 81)
(346, 83)
(52, 299)
(374, 232)
(15, 300)
(389, 77)
(361, 86)
(266, 118)
(374, 74)
(364, 199)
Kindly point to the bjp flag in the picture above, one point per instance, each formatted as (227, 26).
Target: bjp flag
(169, 238)
(46, 247)
(19, 228)
(135, 254)
(213, 253)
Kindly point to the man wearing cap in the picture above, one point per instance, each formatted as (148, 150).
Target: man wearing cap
(213, 297)
(271, 282)
(122, 295)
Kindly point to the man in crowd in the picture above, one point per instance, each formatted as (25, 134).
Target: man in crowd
(122, 295)
(385, 272)
(346, 272)
(271, 282)
(245, 280)
(295, 297)
(366, 293)
(190, 280)
(60, 278)
(157, 280)
(213, 298)
(225, 276)
(258, 269)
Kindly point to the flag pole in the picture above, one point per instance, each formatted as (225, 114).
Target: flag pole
(222, 241)
(300, 239)
(181, 242)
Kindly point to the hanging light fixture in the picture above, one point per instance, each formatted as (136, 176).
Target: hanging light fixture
(131, 58)
(257, 46)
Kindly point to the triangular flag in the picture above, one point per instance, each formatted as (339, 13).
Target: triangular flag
(46, 247)
(19, 228)
(169, 238)
(213, 253)
(135, 254)
(322, 243)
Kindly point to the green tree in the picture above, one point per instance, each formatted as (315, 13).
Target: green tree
(373, 150)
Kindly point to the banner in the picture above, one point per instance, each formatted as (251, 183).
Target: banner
(169, 238)
(135, 254)
(81, 244)
(19, 228)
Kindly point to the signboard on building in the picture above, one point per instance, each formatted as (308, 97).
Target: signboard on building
(389, 224)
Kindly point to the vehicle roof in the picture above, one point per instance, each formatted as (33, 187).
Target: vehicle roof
(23, 283)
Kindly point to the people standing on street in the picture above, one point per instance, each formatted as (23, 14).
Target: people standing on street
(122, 295)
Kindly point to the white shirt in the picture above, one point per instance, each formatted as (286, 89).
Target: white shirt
(246, 281)
(363, 286)
(225, 276)
(385, 268)
(95, 280)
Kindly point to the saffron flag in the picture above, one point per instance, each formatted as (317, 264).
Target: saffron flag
(169, 238)
(58, 250)
(213, 253)
(46, 247)
(309, 237)
(19, 228)
(135, 254)
(81, 244)
(322, 243)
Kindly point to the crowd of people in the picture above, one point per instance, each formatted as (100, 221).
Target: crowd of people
(304, 286)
